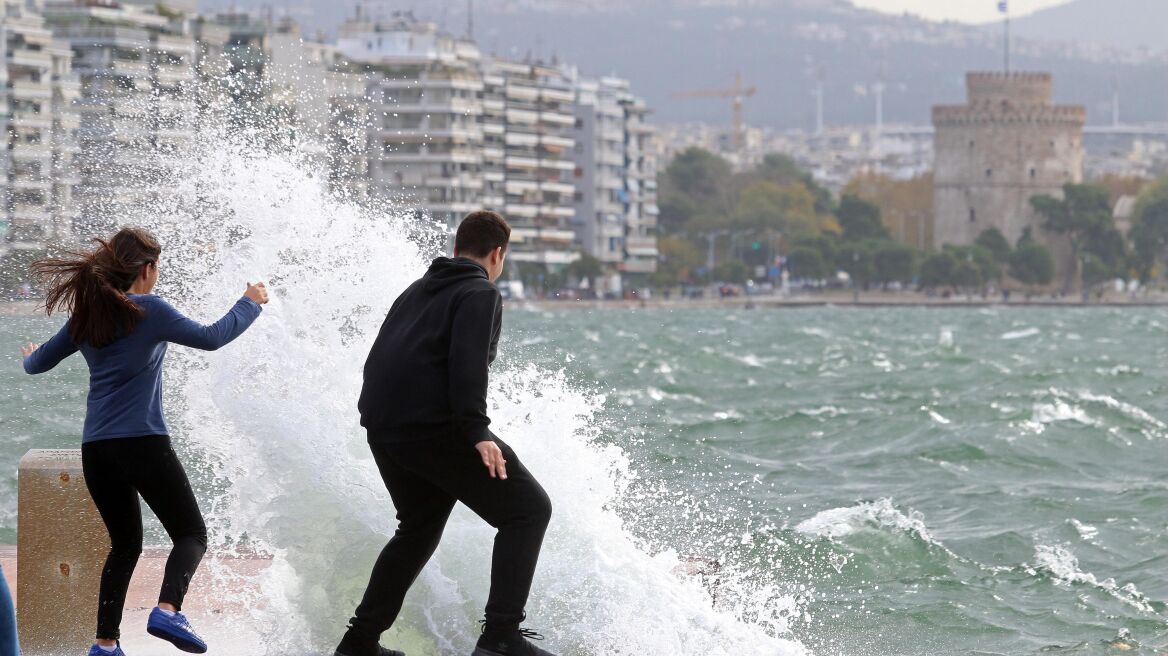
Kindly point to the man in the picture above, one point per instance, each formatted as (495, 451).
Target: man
(424, 405)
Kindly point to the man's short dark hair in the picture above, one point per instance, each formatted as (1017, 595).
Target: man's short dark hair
(480, 233)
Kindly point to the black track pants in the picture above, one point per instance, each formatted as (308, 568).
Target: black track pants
(425, 479)
(116, 472)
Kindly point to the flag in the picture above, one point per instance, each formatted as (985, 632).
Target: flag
(1004, 6)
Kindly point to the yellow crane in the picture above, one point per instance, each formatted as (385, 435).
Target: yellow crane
(738, 93)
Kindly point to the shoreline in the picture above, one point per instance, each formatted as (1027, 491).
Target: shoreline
(872, 300)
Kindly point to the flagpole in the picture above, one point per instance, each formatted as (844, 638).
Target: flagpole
(1007, 39)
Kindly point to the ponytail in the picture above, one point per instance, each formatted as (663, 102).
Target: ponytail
(92, 286)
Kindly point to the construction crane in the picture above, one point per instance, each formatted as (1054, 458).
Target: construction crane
(738, 93)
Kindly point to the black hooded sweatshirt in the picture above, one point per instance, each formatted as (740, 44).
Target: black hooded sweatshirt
(426, 375)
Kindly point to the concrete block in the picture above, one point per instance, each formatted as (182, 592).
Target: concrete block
(61, 545)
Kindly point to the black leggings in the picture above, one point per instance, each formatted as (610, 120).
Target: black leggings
(425, 479)
(116, 472)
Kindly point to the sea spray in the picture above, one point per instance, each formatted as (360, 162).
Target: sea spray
(271, 430)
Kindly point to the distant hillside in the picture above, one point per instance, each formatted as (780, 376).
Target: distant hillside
(1118, 23)
(780, 46)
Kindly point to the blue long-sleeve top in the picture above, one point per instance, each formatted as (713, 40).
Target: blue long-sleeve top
(125, 376)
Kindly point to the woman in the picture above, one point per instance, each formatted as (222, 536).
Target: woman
(122, 330)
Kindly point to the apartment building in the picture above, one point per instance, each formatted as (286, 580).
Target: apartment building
(528, 124)
(136, 66)
(423, 93)
(40, 132)
(616, 172)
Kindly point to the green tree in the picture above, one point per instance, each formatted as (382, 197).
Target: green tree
(807, 263)
(855, 258)
(677, 210)
(995, 242)
(731, 271)
(894, 263)
(1032, 264)
(679, 258)
(860, 219)
(938, 270)
(1083, 212)
(764, 206)
(586, 267)
(701, 175)
(1149, 233)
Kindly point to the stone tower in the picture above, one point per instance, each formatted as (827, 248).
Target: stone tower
(1009, 142)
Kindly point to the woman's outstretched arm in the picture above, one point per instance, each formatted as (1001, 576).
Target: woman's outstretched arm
(177, 328)
(39, 359)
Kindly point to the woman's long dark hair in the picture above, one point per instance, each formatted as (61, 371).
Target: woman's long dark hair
(91, 286)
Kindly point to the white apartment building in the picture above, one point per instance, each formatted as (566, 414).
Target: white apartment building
(136, 66)
(528, 121)
(423, 93)
(616, 172)
(40, 132)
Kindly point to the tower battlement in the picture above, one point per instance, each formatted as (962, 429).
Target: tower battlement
(1015, 88)
(1006, 113)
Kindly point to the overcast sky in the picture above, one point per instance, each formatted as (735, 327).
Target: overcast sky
(974, 11)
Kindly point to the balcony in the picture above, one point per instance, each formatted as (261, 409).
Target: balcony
(522, 162)
(37, 59)
(558, 187)
(29, 90)
(556, 118)
(635, 265)
(522, 116)
(641, 246)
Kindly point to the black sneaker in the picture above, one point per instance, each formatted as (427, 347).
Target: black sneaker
(384, 652)
(513, 643)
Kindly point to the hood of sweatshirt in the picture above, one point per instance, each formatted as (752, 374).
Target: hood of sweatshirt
(445, 271)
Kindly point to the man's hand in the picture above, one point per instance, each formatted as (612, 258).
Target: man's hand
(493, 458)
(29, 350)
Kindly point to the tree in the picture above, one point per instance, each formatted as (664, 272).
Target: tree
(1083, 212)
(937, 270)
(860, 219)
(679, 258)
(701, 175)
(807, 263)
(906, 206)
(586, 267)
(1149, 233)
(894, 263)
(732, 271)
(995, 242)
(789, 209)
(1032, 264)
(988, 269)
(677, 210)
(855, 258)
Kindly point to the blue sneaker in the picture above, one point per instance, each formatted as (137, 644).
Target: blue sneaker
(98, 651)
(175, 629)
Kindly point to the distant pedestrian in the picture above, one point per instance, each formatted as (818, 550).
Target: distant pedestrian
(122, 330)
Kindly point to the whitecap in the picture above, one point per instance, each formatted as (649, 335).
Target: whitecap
(1021, 334)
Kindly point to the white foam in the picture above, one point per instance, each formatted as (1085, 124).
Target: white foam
(1021, 334)
(881, 514)
(1061, 563)
(272, 418)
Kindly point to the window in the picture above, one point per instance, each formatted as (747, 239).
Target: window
(972, 215)
(1033, 173)
(989, 173)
